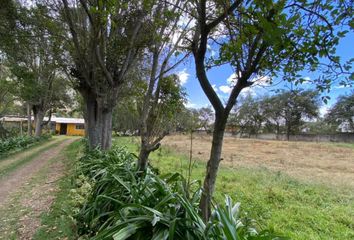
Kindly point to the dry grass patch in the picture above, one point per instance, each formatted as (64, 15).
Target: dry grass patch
(327, 163)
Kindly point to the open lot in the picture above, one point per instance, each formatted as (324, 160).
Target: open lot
(328, 163)
(306, 206)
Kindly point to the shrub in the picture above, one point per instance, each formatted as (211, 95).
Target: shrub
(126, 204)
(13, 144)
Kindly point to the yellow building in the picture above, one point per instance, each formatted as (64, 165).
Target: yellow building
(62, 126)
(69, 126)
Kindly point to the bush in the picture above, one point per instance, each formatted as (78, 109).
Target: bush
(125, 204)
(13, 144)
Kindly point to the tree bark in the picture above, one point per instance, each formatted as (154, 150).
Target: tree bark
(99, 122)
(212, 167)
(143, 157)
(38, 113)
(29, 120)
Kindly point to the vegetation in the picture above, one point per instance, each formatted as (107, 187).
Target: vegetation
(284, 112)
(101, 48)
(294, 208)
(59, 221)
(272, 38)
(123, 203)
(342, 113)
(14, 144)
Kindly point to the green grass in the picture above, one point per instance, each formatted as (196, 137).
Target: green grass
(13, 166)
(297, 209)
(58, 223)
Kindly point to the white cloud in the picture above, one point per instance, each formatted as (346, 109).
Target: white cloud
(225, 89)
(215, 87)
(189, 104)
(183, 76)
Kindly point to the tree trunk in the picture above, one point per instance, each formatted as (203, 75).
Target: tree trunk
(99, 123)
(38, 120)
(29, 120)
(143, 157)
(212, 167)
(288, 128)
(38, 123)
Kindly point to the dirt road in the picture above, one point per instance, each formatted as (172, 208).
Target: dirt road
(26, 196)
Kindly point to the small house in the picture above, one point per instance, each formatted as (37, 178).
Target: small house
(59, 125)
(69, 126)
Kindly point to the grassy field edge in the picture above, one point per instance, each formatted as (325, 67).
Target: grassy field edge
(300, 210)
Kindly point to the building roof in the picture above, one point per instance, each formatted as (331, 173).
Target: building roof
(53, 119)
(68, 120)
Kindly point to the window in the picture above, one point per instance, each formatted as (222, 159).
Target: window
(80, 126)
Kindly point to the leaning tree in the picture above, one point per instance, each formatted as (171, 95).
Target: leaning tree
(263, 38)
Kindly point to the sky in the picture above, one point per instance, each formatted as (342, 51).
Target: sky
(220, 77)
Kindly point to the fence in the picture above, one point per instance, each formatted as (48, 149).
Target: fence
(338, 137)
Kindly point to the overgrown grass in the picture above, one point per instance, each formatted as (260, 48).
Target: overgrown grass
(293, 208)
(59, 223)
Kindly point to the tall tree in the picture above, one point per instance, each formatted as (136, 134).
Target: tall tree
(163, 90)
(262, 38)
(32, 56)
(292, 109)
(105, 38)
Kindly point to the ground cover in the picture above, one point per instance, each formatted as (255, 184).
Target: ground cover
(29, 190)
(295, 207)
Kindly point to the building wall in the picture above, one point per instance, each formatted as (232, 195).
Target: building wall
(71, 130)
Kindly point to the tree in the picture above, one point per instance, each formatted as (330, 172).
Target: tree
(206, 117)
(32, 56)
(163, 90)
(258, 39)
(104, 38)
(247, 116)
(161, 119)
(292, 108)
(342, 113)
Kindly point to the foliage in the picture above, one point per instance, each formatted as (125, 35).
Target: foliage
(126, 204)
(342, 113)
(19, 143)
(247, 116)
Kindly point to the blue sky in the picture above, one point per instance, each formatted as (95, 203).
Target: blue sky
(218, 77)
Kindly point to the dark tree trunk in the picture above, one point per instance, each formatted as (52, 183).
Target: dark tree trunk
(212, 167)
(38, 113)
(29, 120)
(143, 157)
(99, 122)
(288, 130)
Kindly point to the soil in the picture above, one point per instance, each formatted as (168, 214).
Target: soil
(327, 163)
(20, 176)
(40, 197)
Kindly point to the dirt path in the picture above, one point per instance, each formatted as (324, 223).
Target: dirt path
(12, 182)
(5, 162)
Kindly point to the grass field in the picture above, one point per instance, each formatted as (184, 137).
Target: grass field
(280, 195)
(328, 163)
